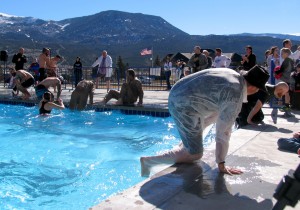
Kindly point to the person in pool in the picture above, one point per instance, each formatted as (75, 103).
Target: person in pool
(79, 97)
(46, 104)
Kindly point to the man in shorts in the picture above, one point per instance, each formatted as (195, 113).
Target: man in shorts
(22, 81)
(44, 86)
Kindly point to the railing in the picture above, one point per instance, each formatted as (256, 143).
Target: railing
(151, 78)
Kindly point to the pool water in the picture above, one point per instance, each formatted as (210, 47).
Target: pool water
(74, 160)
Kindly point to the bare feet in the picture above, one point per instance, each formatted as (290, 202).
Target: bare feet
(176, 155)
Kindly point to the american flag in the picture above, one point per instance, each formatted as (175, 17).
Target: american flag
(146, 51)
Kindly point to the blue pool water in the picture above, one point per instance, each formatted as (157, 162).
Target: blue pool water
(74, 160)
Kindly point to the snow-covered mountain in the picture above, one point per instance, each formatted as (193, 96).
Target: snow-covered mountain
(122, 33)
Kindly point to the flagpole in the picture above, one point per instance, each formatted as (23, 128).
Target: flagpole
(152, 57)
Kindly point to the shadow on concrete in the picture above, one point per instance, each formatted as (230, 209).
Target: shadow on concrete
(198, 186)
(266, 128)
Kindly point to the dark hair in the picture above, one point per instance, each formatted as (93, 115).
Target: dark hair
(298, 65)
(131, 72)
(218, 50)
(284, 42)
(47, 96)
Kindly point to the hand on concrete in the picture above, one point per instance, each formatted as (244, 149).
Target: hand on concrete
(228, 170)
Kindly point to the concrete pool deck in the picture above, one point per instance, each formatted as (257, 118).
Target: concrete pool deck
(199, 185)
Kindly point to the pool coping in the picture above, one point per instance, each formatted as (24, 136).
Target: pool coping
(148, 109)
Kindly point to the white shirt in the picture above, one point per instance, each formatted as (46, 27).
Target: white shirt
(108, 64)
(168, 66)
(221, 61)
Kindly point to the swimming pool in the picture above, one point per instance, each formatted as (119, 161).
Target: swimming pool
(74, 160)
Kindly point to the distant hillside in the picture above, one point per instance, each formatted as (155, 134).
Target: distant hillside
(121, 34)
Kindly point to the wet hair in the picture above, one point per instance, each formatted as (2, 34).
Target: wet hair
(47, 96)
(131, 72)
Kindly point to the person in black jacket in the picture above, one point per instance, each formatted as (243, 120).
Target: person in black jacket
(19, 59)
(249, 59)
(77, 71)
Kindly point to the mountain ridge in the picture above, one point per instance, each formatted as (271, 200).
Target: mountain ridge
(122, 34)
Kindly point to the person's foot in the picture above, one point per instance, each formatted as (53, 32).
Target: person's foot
(285, 108)
(288, 114)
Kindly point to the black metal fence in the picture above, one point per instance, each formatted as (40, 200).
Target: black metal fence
(151, 78)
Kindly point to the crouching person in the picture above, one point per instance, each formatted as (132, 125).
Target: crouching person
(130, 91)
(79, 97)
(22, 81)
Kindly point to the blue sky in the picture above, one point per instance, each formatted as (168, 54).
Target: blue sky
(196, 17)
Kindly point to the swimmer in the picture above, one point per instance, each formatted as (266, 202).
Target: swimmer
(79, 97)
(46, 105)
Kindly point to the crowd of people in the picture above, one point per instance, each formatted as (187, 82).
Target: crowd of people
(207, 92)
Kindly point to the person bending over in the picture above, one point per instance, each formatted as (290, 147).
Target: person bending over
(46, 105)
(251, 112)
(79, 97)
(130, 91)
(22, 80)
(201, 99)
(44, 85)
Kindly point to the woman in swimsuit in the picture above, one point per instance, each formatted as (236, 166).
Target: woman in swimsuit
(46, 104)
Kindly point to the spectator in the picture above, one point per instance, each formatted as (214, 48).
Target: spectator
(251, 112)
(19, 59)
(167, 72)
(287, 43)
(180, 69)
(209, 59)
(198, 61)
(295, 88)
(105, 69)
(44, 63)
(79, 97)
(77, 71)
(130, 91)
(221, 61)
(273, 60)
(290, 144)
(249, 59)
(284, 74)
(34, 68)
